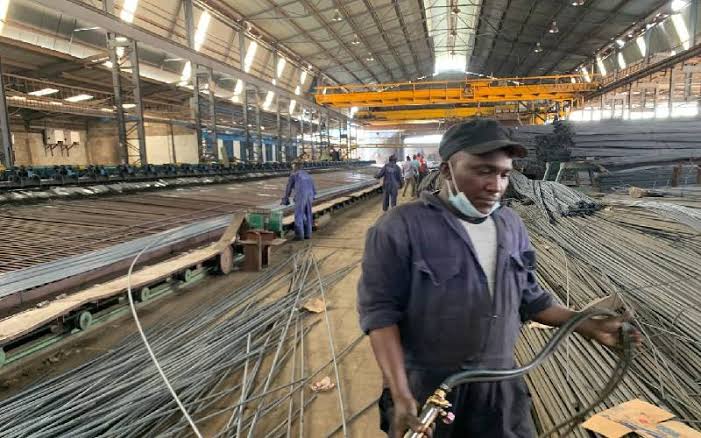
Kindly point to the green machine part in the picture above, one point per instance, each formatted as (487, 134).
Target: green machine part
(275, 222)
(256, 220)
(270, 221)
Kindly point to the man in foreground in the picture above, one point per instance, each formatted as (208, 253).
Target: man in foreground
(447, 282)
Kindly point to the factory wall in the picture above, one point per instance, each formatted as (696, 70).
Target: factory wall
(166, 144)
(30, 150)
(103, 142)
(99, 144)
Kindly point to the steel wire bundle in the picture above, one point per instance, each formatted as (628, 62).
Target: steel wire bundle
(552, 198)
(119, 394)
(585, 259)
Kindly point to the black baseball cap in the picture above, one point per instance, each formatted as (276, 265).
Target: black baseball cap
(478, 136)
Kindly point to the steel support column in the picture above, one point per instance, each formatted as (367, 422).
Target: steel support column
(138, 101)
(8, 153)
(348, 135)
(693, 18)
(108, 6)
(212, 138)
(194, 69)
(172, 143)
(671, 91)
(301, 150)
(278, 142)
(630, 101)
(312, 137)
(247, 155)
(247, 149)
(289, 148)
(258, 153)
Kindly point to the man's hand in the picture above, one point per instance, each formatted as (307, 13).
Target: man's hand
(405, 417)
(607, 331)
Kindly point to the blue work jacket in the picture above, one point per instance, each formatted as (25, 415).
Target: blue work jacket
(420, 271)
(392, 175)
(303, 186)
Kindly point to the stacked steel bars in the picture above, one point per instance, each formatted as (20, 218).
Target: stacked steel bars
(527, 135)
(652, 265)
(632, 143)
(223, 360)
(553, 199)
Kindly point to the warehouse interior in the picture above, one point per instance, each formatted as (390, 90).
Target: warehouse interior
(153, 278)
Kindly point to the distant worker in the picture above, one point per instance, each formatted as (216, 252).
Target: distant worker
(409, 174)
(415, 163)
(303, 185)
(392, 182)
(423, 167)
(335, 155)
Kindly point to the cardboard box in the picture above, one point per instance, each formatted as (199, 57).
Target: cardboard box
(640, 418)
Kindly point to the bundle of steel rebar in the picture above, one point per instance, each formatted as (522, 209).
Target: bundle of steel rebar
(690, 217)
(648, 270)
(649, 149)
(552, 198)
(616, 144)
(431, 182)
(222, 360)
(647, 176)
(527, 136)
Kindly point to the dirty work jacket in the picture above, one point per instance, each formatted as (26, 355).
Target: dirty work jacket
(303, 185)
(420, 271)
(392, 175)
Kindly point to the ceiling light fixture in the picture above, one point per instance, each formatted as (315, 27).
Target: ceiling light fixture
(455, 11)
(678, 5)
(337, 16)
(369, 58)
(44, 92)
(578, 3)
(538, 48)
(553, 27)
(78, 98)
(356, 40)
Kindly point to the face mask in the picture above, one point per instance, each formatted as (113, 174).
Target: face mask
(460, 202)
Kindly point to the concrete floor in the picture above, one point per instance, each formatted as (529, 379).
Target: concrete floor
(343, 241)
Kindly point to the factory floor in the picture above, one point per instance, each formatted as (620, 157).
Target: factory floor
(342, 240)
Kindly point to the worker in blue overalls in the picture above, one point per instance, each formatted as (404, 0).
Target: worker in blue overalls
(303, 185)
(392, 182)
(447, 281)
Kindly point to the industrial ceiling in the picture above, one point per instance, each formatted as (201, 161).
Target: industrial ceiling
(304, 43)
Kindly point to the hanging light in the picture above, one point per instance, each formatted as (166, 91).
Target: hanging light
(455, 11)
(578, 3)
(370, 58)
(337, 16)
(538, 48)
(356, 40)
(553, 27)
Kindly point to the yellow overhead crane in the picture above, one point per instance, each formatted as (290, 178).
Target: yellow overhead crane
(560, 88)
(525, 113)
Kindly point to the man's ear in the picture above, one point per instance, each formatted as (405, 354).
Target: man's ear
(445, 170)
